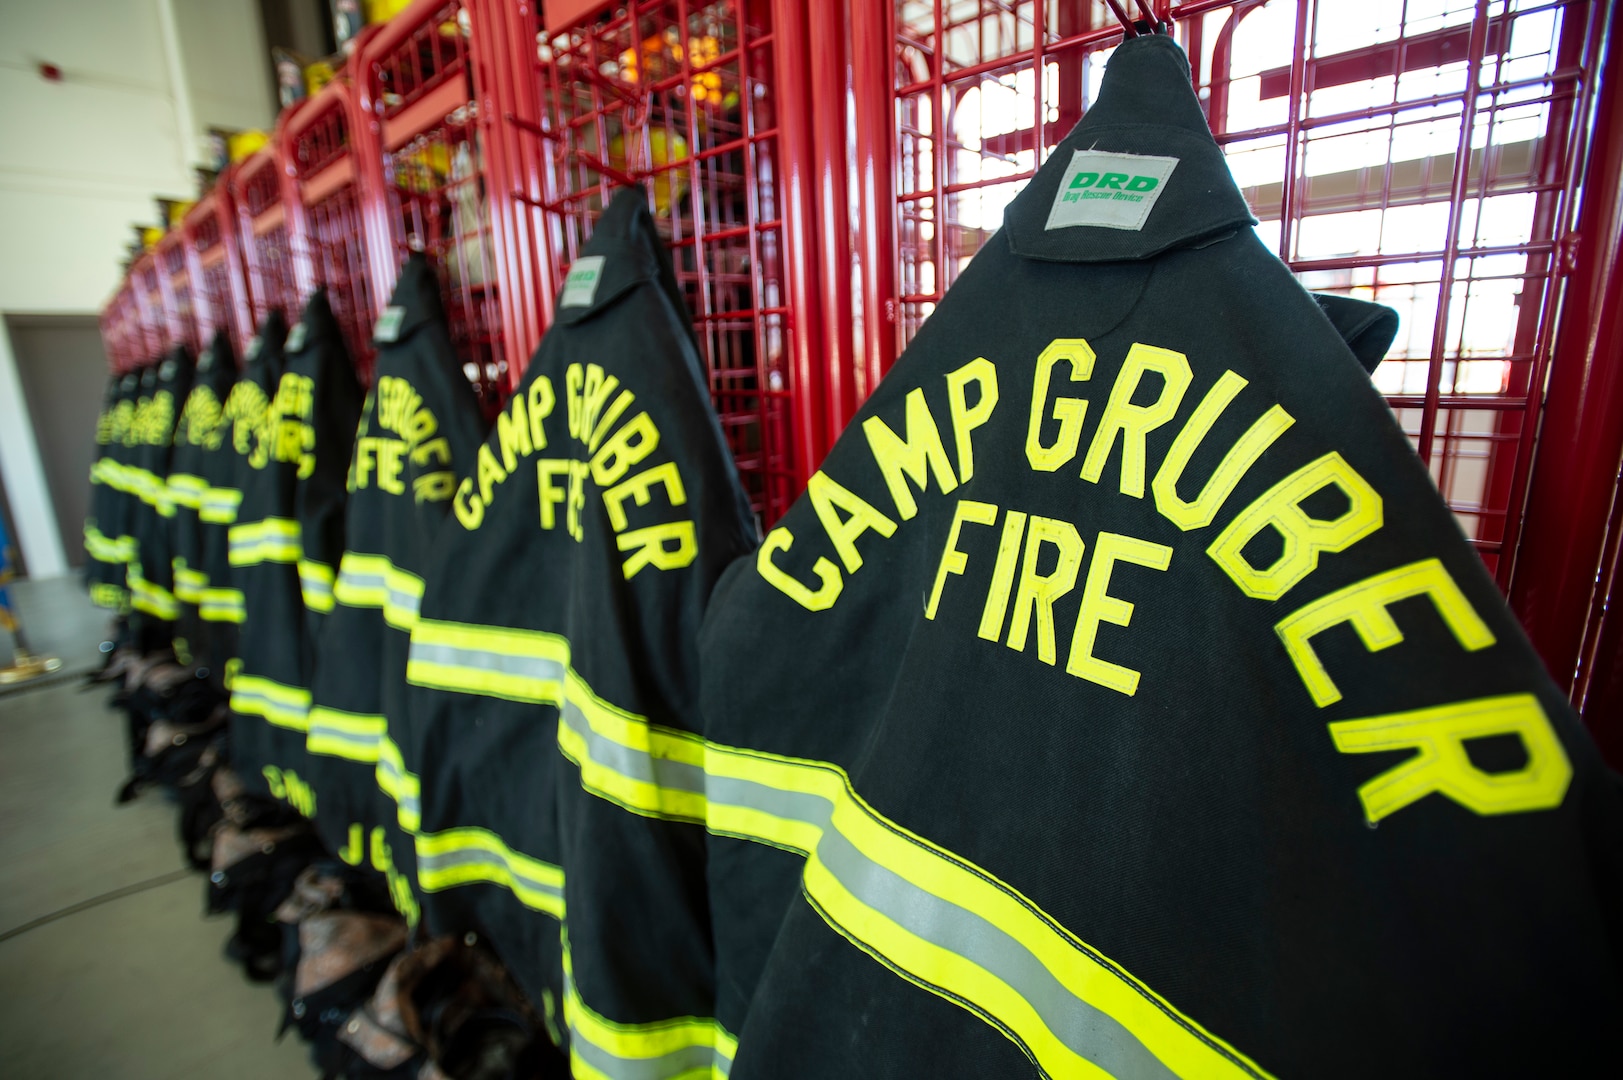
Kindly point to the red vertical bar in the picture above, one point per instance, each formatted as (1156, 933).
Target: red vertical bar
(873, 37)
(1581, 443)
(371, 185)
(829, 95)
(799, 231)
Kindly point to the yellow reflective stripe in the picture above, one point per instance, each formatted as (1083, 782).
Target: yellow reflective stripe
(402, 786)
(103, 549)
(189, 583)
(216, 604)
(187, 490)
(688, 1047)
(936, 919)
(153, 599)
(372, 581)
(111, 597)
(219, 505)
(275, 703)
(316, 583)
(466, 856)
(336, 733)
(277, 540)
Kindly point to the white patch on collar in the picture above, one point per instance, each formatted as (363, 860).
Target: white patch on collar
(295, 338)
(580, 287)
(1109, 191)
(388, 324)
(254, 345)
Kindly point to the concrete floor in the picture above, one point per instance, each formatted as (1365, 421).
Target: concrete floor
(107, 967)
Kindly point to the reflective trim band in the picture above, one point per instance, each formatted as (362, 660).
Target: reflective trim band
(187, 490)
(316, 583)
(335, 733)
(689, 1047)
(936, 919)
(284, 706)
(219, 506)
(222, 605)
(278, 540)
(189, 584)
(111, 597)
(372, 581)
(401, 786)
(468, 856)
(106, 550)
(517, 665)
(149, 597)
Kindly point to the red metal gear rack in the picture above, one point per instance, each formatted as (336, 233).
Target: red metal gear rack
(121, 329)
(317, 146)
(418, 81)
(149, 307)
(703, 105)
(213, 246)
(259, 197)
(175, 285)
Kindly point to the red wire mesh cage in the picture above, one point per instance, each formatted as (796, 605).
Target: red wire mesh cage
(686, 98)
(321, 156)
(153, 319)
(1415, 154)
(175, 283)
(120, 330)
(267, 251)
(419, 75)
(219, 297)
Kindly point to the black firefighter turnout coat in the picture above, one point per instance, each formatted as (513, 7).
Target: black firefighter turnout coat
(201, 436)
(226, 471)
(284, 545)
(104, 538)
(151, 575)
(419, 431)
(1121, 699)
(559, 620)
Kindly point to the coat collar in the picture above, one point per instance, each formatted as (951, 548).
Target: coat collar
(1140, 175)
(414, 302)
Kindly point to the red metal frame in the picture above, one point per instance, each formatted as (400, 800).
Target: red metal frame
(419, 83)
(149, 306)
(214, 253)
(1567, 587)
(175, 284)
(259, 196)
(705, 105)
(324, 171)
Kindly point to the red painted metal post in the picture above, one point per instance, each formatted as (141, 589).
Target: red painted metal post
(873, 57)
(829, 90)
(799, 232)
(1554, 587)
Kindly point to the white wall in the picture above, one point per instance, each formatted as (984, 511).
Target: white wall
(81, 160)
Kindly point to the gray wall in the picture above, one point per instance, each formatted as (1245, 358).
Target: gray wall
(63, 371)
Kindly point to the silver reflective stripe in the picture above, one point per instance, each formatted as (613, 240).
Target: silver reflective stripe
(1090, 1033)
(407, 802)
(530, 667)
(318, 730)
(406, 601)
(684, 1061)
(444, 860)
(638, 764)
(350, 579)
